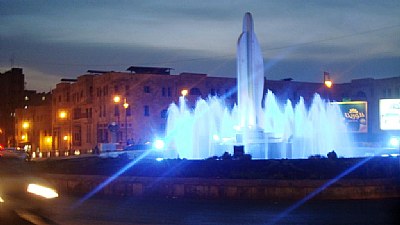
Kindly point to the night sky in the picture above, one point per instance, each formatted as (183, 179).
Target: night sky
(51, 40)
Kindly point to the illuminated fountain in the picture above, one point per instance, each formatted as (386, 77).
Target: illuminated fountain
(274, 130)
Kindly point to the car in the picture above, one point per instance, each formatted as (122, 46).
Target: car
(23, 200)
(15, 153)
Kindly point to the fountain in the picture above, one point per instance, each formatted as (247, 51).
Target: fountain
(274, 130)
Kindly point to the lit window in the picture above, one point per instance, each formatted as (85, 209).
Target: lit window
(26, 98)
(26, 107)
(43, 98)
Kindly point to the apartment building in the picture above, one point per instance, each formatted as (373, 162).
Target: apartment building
(86, 111)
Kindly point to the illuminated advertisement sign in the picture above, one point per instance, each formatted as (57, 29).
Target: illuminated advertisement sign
(389, 114)
(355, 115)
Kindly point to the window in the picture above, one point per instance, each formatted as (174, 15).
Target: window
(105, 90)
(146, 110)
(146, 89)
(195, 91)
(116, 110)
(128, 111)
(164, 113)
(164, 92)
(88, 133)
(361, 95)
(162, 127)
(212, 92)
(169, 92)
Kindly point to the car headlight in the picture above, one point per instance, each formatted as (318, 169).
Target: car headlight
(42, 191)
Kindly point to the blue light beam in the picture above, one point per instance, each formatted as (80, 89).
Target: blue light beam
(318, 190)
(110, 179)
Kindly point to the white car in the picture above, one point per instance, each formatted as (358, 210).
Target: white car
(14, 153)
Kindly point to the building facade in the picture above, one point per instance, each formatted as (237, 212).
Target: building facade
(12, 97)
(85, 112)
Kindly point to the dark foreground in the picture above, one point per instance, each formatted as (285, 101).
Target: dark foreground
(129, 210)
(318, 168)
(177, 211)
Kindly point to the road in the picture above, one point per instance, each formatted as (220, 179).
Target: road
(177, 211)
(128, 210)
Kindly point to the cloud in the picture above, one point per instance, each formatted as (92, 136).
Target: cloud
(66, 38)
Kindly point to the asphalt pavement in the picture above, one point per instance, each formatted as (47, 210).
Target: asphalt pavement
(113, 210)
(123, 210)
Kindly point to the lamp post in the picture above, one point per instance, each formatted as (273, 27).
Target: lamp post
(126, 105)
(184, 92)
(25, 126)
(63, 116)
(117, 100)
(328, 83)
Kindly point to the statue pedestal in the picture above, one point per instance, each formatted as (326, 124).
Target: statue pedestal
(254, 141)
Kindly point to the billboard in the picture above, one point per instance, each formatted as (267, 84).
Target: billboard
(389, 114)
(355, 115)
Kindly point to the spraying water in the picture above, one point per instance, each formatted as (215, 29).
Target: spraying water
(272, 130)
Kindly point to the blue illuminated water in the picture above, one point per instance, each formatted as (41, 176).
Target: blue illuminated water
(274, 130)
(211, 128)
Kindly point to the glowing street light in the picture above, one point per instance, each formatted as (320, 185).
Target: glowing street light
(117, 99)
(49, 140)
(327, 80)
(184, 92)
(62, 114)
(25, 125)
(328, 83)
(126, 105)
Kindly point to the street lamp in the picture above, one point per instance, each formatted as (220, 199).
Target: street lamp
(126, 105)
(63, 116)
(184, 92)
(328, 84)
(25, 125)
(327, 80)
(117, 100)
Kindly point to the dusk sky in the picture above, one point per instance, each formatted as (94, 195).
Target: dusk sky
(51, 40)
